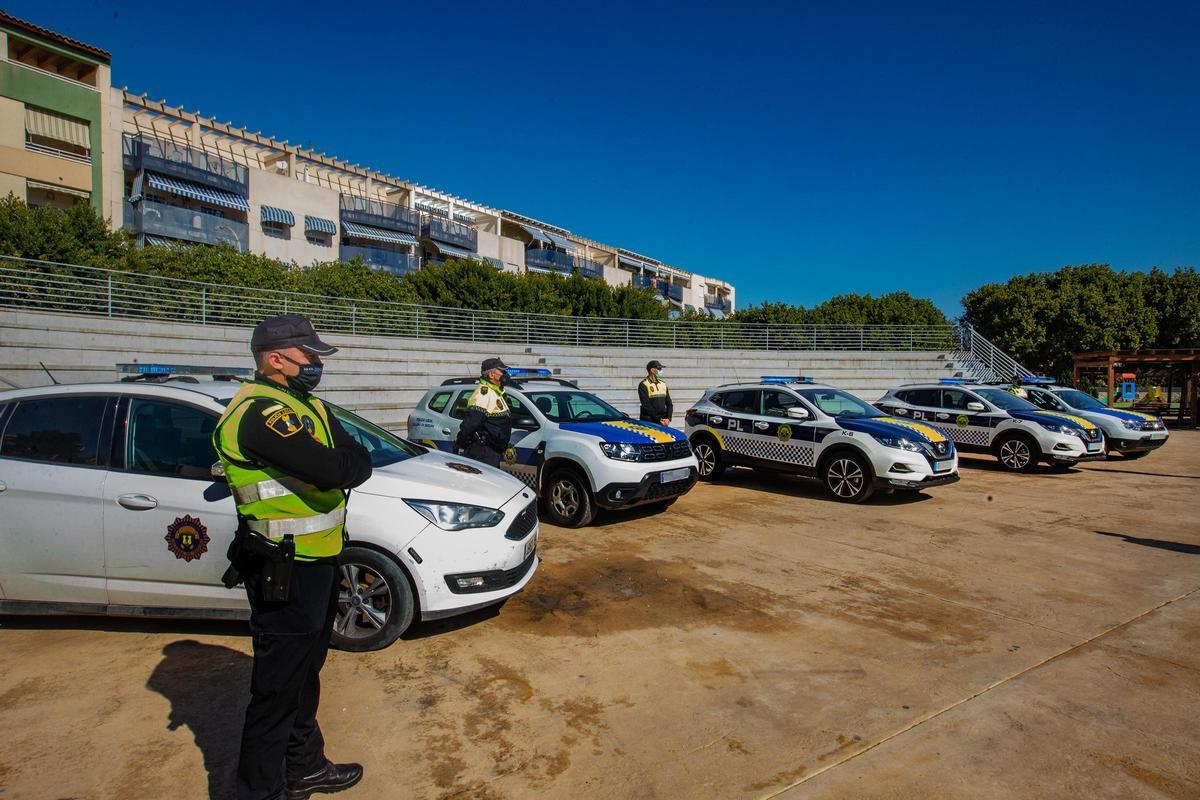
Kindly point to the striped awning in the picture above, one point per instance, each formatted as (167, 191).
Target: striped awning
(495, 262)
(320, 225)
(377, 234)
(54, 187)
(456, 252)
(57, 127)
(536, 233)
(169, 244)
(561, 242)
(195, 191)
(280, 215)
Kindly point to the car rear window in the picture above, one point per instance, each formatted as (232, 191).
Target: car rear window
(170, 439)
(743, 401)
(57, 430)
(930, 398)
(438, 401)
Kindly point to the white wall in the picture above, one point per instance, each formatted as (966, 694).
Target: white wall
(300, 198)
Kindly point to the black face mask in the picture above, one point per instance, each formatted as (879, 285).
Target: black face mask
(307, 380)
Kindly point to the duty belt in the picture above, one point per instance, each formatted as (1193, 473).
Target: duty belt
(272, 528)
(270, 488)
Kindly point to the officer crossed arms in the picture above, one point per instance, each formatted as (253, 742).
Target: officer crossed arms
(288, 462)
(654, 397)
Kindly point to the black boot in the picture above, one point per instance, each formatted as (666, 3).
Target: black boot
(331, 778)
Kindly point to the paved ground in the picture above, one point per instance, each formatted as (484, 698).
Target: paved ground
(1006, 637)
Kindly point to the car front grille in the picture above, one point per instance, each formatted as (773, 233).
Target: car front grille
(660, 491)
(523, 524)
(666, 452)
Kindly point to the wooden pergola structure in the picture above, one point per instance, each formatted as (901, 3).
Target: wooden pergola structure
(1184, 360)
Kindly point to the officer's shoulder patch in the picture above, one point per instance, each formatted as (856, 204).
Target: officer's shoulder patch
(285, 422)
(483, 390)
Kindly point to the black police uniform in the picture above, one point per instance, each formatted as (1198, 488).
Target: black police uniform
(487, 425)
(281, 738)
(654, 397)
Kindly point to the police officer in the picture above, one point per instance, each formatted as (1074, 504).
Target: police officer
(288, 462)
(654, 397)
(1016, 388)
(486, 428)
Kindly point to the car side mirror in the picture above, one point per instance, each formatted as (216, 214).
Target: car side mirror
(796, 412)
(217, 471)
(974, 406)
(525, 422)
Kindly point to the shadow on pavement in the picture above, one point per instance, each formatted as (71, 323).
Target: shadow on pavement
(1161, 544)
(1148, 474)
(782, 483)
(191, 627)
(422, 630)
(208, 687)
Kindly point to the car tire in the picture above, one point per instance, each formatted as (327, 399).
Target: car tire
(1018, 453)
(567, 499)
(1136, 455)
(375, 601)
(847, 477)
(711, 465)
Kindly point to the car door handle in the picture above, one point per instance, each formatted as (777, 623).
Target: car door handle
(445, 431)
(943, 416)
(762, 426)
(137, 502)
(718, 420)
(3, 486)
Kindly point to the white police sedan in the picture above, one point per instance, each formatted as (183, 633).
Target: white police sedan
(109, 505)
(580, 453)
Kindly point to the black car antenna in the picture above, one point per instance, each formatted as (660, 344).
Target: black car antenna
(48, 373)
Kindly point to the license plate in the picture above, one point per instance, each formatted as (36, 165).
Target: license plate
(1158, 436)
(680, 474)
(1093, 447)
(530, 546)
(941, 466)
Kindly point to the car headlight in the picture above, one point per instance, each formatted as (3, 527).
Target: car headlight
(1132, 424)
(1058, 427)
(456, 516)
(622, 451)
(899, 444)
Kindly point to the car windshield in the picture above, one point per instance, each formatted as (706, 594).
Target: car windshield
(837, 403)
(1002, 398)
(573, 407)
(385, 448)
(1077, 399)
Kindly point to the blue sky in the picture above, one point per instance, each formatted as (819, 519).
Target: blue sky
(798, 150)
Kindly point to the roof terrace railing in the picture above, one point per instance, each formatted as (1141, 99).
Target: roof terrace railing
(43, 286)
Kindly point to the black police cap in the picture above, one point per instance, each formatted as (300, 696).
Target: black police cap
(288, 330)
(492, 363)
(654, 365)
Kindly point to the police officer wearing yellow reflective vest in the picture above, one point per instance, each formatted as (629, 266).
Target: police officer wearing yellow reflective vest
(288, 463)
(486, 428)
(654, 397)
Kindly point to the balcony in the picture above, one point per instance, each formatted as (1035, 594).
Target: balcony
(455, 233)
(717, 302)
(379, 214)
(179, 161)
(556, 261)
(158, 219)
(380, 258)
(674, 291)
(644, 282)
(589, 268)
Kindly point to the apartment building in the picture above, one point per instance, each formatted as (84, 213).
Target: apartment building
(53, 108)
(178, 178)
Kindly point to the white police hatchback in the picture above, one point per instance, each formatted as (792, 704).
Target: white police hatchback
(576, 450)
(109, 505)
(1133, 434)
(785, 424)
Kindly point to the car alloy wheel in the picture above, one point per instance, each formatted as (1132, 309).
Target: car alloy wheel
(564, 498)
(845, 478)
(707, 459)
(1015, 454)
(364, 602)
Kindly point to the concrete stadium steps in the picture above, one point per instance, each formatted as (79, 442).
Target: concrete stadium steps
(383, 378)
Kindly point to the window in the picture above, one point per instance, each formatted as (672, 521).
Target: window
(837, 403)
(57, 134)
(955, 399)
(776, 403)
(170, 439)
(920, 397)
(59, 430)
(276, 230)
(572, 406)
(459, 409)
(319, 239)
(385, 447)
(741, 401)
(1045, 400)
(438, 401)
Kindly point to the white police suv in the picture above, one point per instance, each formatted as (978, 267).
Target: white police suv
(985, 418)
(576, 450)
(109, 504)
(1133, 434)
(793, 425)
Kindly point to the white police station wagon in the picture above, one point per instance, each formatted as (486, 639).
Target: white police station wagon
(1133, 434)
(986, 418)
(576, 450)
(109, 504)
(793, 425)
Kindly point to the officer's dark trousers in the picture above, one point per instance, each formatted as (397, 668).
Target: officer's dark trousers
(281, 736)
(481, 452)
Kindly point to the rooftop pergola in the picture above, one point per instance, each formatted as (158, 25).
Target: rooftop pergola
(1182, 361)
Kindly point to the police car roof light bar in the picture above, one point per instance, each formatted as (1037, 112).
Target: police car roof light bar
(514, 371)
(181, 369)
(1035, 379)
(955, 381)
(785, 379)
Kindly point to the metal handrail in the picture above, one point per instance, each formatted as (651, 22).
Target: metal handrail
(990, 362)
(65, 288)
